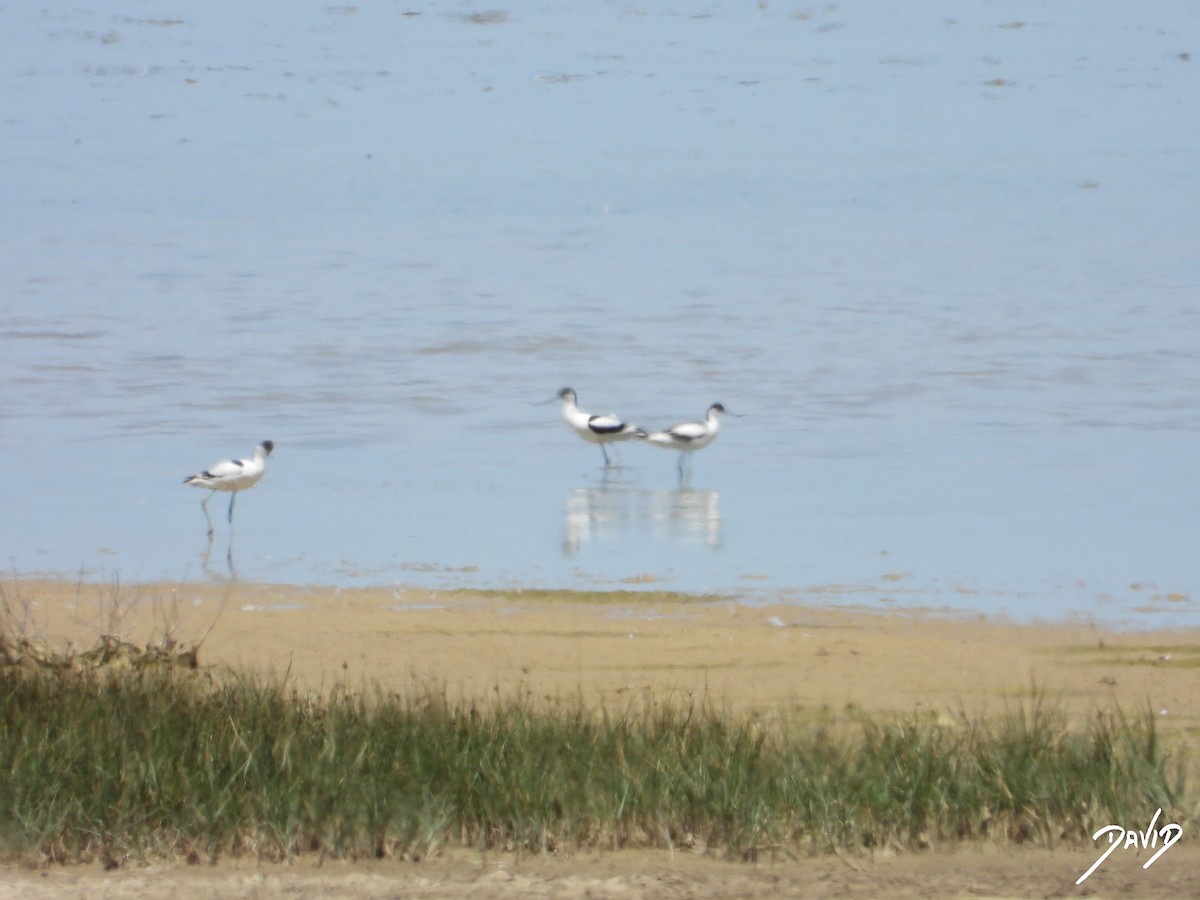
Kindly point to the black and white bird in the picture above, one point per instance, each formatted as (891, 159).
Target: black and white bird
(688, 437)
(596, 429)
(231, 475)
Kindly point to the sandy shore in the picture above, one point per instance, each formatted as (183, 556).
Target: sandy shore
(610, 646)
(778, 660)
(975, 872)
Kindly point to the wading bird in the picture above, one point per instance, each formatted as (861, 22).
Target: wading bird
(688, 437)
(596, 429)
(231, 475)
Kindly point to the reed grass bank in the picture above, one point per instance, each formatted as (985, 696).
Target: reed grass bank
(154, 762)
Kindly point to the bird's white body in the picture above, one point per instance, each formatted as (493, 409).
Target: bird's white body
(231, 475)
(234, 474)
(690, 436)
(596, 429)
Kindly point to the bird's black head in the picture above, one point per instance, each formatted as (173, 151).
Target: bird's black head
(566, 394)
(268, 446)
(716, 407)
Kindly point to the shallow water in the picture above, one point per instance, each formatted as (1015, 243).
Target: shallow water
(941, 262)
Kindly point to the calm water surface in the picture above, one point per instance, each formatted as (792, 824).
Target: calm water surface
(943, 261)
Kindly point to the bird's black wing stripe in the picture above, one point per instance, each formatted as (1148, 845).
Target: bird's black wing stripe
(605, 429)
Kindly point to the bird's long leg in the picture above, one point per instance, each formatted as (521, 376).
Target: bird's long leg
(204, 506)
(604, 450)
(229, 552)
(685, 469)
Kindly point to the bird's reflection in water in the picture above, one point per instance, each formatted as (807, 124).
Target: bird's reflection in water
(209, 573)
(616, 505)
(688, 513)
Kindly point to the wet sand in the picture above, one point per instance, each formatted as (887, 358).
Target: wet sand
(613, 648)
(609, 646)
